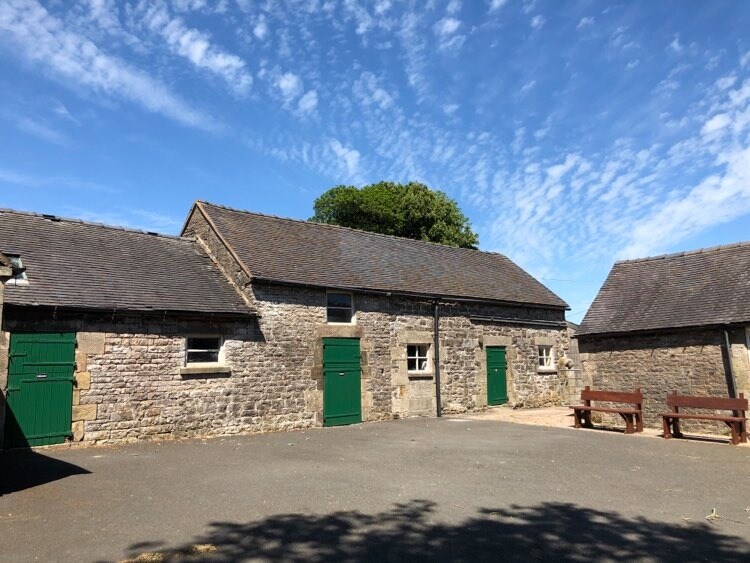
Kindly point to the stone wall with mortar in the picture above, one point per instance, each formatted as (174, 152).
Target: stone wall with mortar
(131, 382)
(690, 362)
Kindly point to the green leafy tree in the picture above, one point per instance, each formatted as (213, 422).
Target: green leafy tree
(406, 210)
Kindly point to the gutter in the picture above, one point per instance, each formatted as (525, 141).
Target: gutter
(203, 315)
(508, 320)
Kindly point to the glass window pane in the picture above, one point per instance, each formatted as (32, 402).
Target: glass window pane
(204, 343)
(411, 364)
(422, 365)
(339, 315)
(411, 351)
(203, 357)
(339, 300)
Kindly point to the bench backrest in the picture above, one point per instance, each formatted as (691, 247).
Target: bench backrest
(635, 398)
(713, 403)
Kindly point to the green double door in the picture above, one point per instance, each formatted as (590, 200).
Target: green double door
(40, 389)
(497, 376)
(342, 382)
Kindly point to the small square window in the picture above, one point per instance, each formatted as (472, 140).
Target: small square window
(18, 279)
(418, 357)
(202, 349)
(339, 307)
(546, 357)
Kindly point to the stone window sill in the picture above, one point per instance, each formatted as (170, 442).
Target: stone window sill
(546, 370)
(420, 375)
(206, 370)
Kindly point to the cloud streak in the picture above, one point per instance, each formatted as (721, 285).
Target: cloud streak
(71, 58)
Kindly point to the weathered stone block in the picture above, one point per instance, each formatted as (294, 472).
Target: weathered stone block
(83, 380)
(90, 342)
(84, 412)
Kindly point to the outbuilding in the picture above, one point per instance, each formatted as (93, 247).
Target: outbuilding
(677, 322)
(249, 322)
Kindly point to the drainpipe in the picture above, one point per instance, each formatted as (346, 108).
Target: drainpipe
(730, 373)
(436, 357)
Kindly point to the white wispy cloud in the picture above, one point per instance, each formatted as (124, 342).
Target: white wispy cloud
(14, 177)
(348, 156)
(71, 58)
(260, 30)
(497, 4)
(289, 85)
(369, 92)
(675, 46)
(538, 21)
(716, 123)
(453, 6)
(587, 21)
(446, 26)
(196, 46)
(42, 131)
(308, 102)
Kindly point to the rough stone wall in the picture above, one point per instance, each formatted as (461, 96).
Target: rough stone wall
(689, 362)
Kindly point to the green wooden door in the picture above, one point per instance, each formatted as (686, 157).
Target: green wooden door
(40, 389)
(342, 386)
(497, 369)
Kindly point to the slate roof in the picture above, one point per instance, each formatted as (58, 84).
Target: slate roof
(81, 265)
(707, 287)
(301, 252)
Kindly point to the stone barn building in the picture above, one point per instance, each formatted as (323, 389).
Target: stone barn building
(251, 323)
(679, 322)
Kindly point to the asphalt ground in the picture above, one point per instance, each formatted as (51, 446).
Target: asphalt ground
(409, 490)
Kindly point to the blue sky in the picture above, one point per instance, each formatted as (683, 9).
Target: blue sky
(571, 133)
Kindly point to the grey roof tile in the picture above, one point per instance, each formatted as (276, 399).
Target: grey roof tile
(293, 251)
(75, 264)
(697, 288)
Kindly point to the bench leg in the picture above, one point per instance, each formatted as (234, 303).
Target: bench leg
(676, 432)
(628, 422)
(577, 418)
(667, 429)
(743, 432)
(736, 432)
(587, 419)
(639, 422)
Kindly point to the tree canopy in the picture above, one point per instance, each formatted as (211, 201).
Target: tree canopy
(406, 210)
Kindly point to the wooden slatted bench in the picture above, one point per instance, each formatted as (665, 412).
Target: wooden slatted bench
(633, 416)
(737, 422)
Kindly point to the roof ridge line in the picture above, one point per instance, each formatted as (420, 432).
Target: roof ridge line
(686, 253)
(351, 229)
(58, 218)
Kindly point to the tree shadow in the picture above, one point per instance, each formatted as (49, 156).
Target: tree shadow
(409, 532)
(24, 469)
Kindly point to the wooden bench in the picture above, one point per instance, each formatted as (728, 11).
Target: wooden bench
(737, 422)
(633, 416)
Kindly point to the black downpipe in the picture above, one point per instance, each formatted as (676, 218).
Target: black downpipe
(730, 373)
(437, 358)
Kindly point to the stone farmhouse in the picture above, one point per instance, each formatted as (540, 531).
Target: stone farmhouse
(252, 323)
(678, 322)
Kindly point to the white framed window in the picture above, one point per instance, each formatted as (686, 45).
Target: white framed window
(339, 307)
(546, 357)
(18, 279)
(418, 357)
(203, 350)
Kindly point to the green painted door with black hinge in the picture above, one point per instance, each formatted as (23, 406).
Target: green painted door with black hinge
(342, 382)
(40, 389)
(497, 370)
